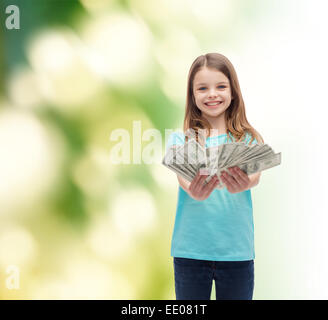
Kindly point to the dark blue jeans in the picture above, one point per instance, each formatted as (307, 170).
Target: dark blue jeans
(234, 280)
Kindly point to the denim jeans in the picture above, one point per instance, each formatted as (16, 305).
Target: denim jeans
(234, 280)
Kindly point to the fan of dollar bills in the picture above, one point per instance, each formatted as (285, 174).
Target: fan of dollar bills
(186, 160)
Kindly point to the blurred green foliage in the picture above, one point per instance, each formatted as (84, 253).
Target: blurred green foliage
(65, 229)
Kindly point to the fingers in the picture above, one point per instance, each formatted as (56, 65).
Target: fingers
(200, 184)
(237, 181)
(240, 176)
(198, 187)
(195, 182)
(229, 181)
(211, 185)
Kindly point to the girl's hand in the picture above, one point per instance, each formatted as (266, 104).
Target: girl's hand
(200, 191)
(238, 181)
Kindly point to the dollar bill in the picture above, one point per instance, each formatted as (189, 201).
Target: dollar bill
(188, 159)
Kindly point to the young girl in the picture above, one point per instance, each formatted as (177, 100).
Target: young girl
(213, 236)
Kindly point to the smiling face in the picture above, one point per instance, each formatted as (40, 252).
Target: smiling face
(212, 92)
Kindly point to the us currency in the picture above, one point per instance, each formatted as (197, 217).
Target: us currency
(250, 153)
(188, 159)
(174, 160)
(227, 152)
(254, 166)
(237, 150)
(212, 155)
(195, 155)
(260, 151)
(177, 170)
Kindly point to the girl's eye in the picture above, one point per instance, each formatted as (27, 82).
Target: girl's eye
(205, 87)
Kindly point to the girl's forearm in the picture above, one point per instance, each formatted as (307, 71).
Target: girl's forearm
(254, 180)
(184, 183)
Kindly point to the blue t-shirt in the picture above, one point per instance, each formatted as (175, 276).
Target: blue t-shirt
(219, 228)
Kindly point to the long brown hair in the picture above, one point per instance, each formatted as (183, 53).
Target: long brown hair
(235, 115)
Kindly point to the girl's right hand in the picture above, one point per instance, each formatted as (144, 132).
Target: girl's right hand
(200, 191)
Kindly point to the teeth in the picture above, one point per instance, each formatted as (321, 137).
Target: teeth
(213, 104)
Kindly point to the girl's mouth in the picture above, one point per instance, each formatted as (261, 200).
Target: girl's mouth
(213, 104)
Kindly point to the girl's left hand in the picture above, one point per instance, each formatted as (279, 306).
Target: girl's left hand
(237, 181)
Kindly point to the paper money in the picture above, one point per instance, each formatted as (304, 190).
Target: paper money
(186, 160)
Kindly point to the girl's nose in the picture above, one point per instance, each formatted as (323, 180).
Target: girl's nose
(212, 94)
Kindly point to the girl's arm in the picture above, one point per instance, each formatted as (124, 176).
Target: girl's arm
(254, 179)
(184, 183)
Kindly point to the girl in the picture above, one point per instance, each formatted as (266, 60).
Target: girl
(213, 236)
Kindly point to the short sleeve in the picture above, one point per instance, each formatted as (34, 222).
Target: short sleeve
(175, 138)
(248, 139)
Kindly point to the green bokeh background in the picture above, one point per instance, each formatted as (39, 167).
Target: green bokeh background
(78, 226)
